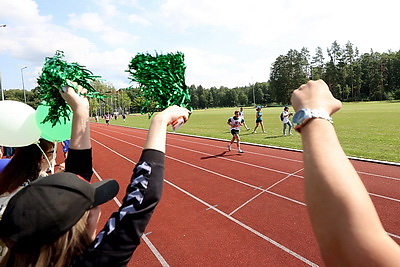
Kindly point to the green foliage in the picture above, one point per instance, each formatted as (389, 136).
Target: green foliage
(161, 80)
(288, 73)
(351, 77)
(57, 73)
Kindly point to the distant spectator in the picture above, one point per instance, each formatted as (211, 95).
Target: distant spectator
(241, 114)
(8, 151)
(259, 120)
(65, 147)
(286, 120)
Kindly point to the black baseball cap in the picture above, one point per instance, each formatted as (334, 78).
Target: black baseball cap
(48, 207)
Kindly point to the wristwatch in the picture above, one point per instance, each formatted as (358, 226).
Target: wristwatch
(305, 115)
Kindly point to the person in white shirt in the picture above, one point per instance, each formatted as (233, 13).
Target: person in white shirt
(286, 120)
(241, 115)
(235, 122)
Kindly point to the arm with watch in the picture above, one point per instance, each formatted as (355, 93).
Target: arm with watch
(343, 217)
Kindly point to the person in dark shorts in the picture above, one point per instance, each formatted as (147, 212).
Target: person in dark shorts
(259, 120)
(235, 122)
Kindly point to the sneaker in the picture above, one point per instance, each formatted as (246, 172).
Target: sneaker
(229, 147)
(248, 129)
(263, 131)
(254, 132)
(240, 151)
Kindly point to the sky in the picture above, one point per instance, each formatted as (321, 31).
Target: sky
(225, 42)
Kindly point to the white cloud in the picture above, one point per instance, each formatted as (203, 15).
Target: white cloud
(134, 18)
(87, 21)
(22, 12)
(117, 38)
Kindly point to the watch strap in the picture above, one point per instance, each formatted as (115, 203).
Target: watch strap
(313, 114)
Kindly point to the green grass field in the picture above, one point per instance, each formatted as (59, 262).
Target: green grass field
(365, 129)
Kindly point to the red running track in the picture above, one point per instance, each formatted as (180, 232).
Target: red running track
(222, 208)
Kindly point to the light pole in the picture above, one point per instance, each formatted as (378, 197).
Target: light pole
(2, 93)
(1, 89)
(23, 84)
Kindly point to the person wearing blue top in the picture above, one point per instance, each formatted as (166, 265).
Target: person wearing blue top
(259, 120)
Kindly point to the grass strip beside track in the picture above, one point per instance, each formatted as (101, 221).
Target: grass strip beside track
(365, 129)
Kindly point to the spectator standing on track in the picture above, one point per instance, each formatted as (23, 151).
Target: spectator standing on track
(241, 115)
(259, 120)
(66, 236)
(343, 217)
(285, 117)
(235, 122)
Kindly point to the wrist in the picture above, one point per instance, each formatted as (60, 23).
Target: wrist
(305, 115)
(160, 119)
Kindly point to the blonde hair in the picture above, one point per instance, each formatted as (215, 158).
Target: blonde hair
(58, 254)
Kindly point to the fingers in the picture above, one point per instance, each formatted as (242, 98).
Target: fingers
(173, 113)
(75, 95)
(315, 95)
(71, 86)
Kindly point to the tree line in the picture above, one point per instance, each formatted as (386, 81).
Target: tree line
(350, 76)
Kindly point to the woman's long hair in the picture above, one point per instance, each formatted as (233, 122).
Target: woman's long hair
(58, 254)
(25, 165)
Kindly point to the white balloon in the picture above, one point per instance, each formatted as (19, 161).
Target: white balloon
(17, 124)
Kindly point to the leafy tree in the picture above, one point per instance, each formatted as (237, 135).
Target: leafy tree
(288, 73)
(317, 64)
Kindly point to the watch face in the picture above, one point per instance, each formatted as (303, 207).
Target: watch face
(299, 116)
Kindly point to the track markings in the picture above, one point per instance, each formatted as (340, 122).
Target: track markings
(259, 187)
(294, 254)
(245, 226)
(211, 207)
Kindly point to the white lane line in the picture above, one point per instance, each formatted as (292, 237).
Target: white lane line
(236, 161)
(233, 179)
(100, 179)
(388, 198)
(207, 154)
(294, 254)
(170, 136)
(380, 176)
(153, 249)
(245, 226)
(263, 146)
(263, 191)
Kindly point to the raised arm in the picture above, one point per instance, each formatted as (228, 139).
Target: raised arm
(121, 235)
(80, 133)
(79, 160)
(343, 217)
(158, 126)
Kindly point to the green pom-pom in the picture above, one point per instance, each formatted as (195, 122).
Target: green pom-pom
(55, 73)
(161, 80)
